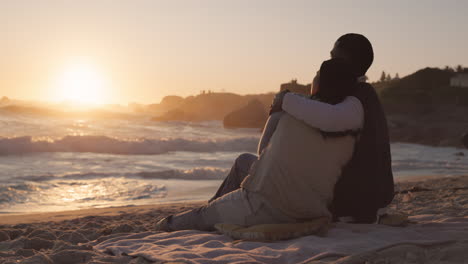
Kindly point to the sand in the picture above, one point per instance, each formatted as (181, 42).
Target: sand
(65, 237)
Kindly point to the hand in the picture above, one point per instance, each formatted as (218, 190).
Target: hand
(277, 104)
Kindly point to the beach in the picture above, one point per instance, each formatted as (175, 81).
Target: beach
(69, 236)
(91, 191)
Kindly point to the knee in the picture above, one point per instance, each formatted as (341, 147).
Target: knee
(246, 158)
(244, 161)
(277, 115)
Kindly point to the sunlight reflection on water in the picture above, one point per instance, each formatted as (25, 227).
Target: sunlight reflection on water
(189, 162)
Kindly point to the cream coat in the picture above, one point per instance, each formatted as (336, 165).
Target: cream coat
(297, 171)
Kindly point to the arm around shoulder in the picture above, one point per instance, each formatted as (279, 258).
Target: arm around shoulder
(347, 115)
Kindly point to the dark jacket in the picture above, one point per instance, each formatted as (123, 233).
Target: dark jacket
(366, 183)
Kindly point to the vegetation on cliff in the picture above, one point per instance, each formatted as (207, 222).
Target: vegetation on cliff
(423, 108)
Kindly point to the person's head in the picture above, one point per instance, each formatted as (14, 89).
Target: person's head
(355, 49)
(335, 81)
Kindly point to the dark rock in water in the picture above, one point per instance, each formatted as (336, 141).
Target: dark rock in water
(253, 115)
(460, 154)
(465, 140)
(434, 128)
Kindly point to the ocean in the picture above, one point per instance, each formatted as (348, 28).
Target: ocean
(55, 164)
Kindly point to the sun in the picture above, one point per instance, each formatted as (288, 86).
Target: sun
(81, 83)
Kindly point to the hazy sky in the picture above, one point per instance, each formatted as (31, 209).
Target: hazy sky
(145, 50)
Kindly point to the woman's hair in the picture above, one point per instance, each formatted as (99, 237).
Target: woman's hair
(336, 81)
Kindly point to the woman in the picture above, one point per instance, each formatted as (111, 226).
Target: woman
(294, 176)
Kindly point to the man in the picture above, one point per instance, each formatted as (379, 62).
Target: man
(366, 183)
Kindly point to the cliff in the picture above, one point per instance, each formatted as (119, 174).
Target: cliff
(423, 108)
(252, 115)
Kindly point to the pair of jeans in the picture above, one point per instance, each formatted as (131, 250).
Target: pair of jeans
(238, 207)
(236, 175)
(230, 204)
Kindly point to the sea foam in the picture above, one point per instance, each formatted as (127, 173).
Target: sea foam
(205, 173)
(104, 144)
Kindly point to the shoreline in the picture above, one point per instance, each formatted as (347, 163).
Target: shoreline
(57, 216)
(29, 218)
(71, 236)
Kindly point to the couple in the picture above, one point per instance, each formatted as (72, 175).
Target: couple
(327, 155)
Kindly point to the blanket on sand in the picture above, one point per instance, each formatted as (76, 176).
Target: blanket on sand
(344, 242)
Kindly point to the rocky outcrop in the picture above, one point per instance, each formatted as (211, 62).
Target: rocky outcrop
(253, 115)
(168, 103)
(171, 101)
(423, 108)
(210, 106)
(444, 127)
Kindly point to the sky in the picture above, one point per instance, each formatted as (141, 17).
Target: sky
(116, 51)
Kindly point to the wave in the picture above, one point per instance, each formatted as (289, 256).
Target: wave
(94, 191)
(205, 173)
(95, 188)
(108, 145)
